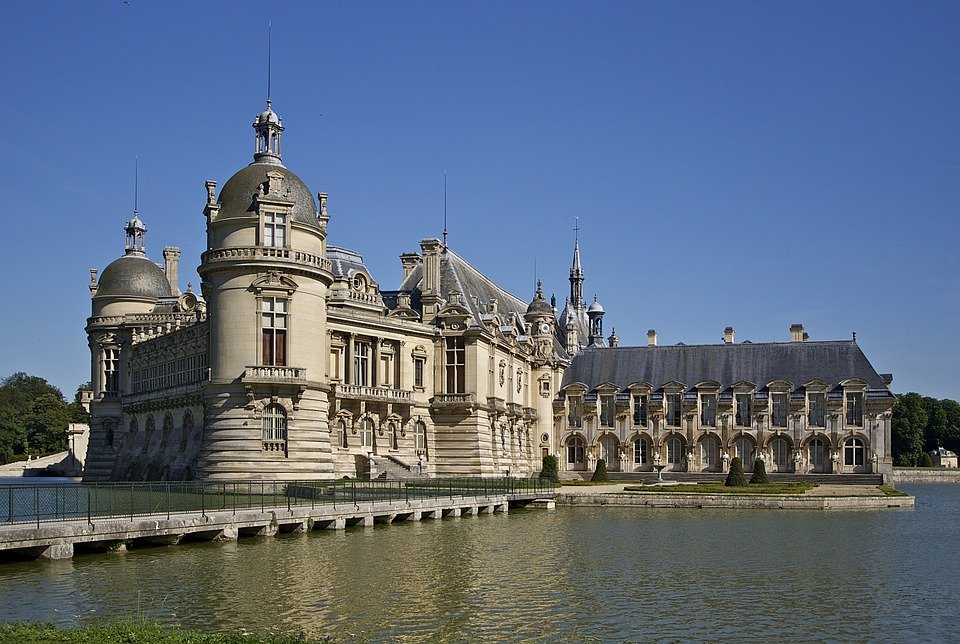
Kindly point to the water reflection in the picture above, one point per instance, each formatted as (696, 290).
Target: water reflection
(574, 574)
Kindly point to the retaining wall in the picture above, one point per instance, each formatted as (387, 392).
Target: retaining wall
(735, 501)
(926, 475)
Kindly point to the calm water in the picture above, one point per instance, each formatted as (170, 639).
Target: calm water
(569, 575)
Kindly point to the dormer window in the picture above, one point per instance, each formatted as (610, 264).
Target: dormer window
(744, 410)
(854, 409)
(673, 409)
(359, 283)
(575, 411)
(779, 418)
(274, 230)
(607, 407)
(708, 410)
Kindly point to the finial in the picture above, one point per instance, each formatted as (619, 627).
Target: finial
(136, 184)
(854, 336)
(269, 58)
(444, 210)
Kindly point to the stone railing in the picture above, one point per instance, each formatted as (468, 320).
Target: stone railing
(274, 373)
(381, 394)
(465, 403)
(244, 253)
(275, 446)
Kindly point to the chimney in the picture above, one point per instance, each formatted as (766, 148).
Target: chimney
(652, 338)
(171, 260)
(614, 339)
(728, 335)
(430, 285)
(409, 262)
(93, 282)
(797, 334)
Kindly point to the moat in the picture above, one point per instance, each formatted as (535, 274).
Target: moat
(570, 574)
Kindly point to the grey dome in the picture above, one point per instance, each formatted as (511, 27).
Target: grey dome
(133, 276)
(539, 306)
(267, 116)
(595, 308)
(236, 196)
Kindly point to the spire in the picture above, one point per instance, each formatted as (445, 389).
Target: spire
(267, 124)
(576, 271)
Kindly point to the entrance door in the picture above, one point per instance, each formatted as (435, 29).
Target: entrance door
(576, 449)
(781, 455)
(744, 449)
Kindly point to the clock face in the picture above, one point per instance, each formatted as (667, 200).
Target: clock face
(544, 328)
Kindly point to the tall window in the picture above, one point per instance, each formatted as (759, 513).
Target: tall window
(709, 452)
(853, 452)
(708, 410)
(781, 454)
(640, 410)
(111, 370)
(575, 411)
(420, 430)
(418, 364)
(394, 436)
(674, 450)
(274, 230)
(744, 450)
(274, 327)
(366, 433)
(816, 450)
(817, 405)
(607, 407)
(456, 366)
(575, 450)
(640, 453)
(855, 410)
(779, 410)
(744, 411)
(673, 410)
(342, 433)
(361, 363)
(274, 424)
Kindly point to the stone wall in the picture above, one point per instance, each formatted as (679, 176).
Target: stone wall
(925, 475)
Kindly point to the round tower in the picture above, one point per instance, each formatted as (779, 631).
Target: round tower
(265, 277)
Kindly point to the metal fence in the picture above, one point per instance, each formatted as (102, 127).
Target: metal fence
(50, 502)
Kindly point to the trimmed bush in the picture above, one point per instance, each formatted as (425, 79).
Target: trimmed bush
(600, 474)
(551, 469)
(759, 472)
(927, 461)
(736, 478)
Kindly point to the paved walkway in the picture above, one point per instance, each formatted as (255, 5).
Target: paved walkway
(820, 490)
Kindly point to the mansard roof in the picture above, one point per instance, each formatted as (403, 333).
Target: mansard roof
(476, 289)
(345, 262)
(797, 362)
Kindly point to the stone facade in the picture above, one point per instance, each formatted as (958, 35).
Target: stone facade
(293, 363)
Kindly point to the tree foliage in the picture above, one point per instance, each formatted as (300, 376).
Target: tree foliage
(759, 472)
(736, 477)
(551, 468)
(921, 424)
(34, 417)
(600, 474)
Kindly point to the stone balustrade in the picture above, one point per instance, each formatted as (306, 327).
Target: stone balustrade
(261, 372)
(380, 394)
(245, 253)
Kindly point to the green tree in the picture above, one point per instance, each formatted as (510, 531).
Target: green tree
(926, 461)
(936, 430)
(951, 439)
(736, 477)
(33, 417)
(759, 472)
(551, 469)
(909, 425)
(600, 474)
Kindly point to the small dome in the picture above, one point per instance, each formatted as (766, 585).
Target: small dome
(539, 306)
(133, 276)
(236, 196)
(267, 116)
(595, 307)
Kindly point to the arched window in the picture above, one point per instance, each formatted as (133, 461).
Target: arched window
(709, 453)
(817, 451)
(186, 428)
(366, 433)
(744, 450)
(274, 428)
(853, 452)
(674, 450)
(575, 451)
(151, 428)
(420, 429)
(609, 451)
(781, 454)
(641, 452)
(167, 429)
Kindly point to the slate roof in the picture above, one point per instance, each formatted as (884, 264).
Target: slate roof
(759, 363)
(236, 196)
(133, 276)
(457, 275)
(345, 262)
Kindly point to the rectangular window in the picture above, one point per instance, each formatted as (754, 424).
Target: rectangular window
(274, 230)
(386, 371)
(744, 410)
(640, 452)
(640, 410)
(607, 407)
(336, 360)
(779, 410)
(575, 411)
(274, 329)
(418, 364)
(111, 370)
(456, 366)
(708, 410)
(855, 409)
(817, 405)
(361, 364)
(673, 410)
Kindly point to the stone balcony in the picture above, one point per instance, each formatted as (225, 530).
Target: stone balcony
(259, 253)
(270, 374)
(454, 403)
(372, 394)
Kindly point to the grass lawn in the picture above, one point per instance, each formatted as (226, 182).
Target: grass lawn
(720, 488)
(18, 633)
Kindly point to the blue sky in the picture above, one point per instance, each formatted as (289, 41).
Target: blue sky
(743, 164)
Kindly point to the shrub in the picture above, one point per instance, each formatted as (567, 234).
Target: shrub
(927, 461)
(759, 472)
(551, 469)
(736, 478)
(600, 474)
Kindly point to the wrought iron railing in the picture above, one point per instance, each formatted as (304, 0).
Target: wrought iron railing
(28, 503)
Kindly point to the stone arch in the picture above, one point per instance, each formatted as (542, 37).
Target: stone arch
(708, 452)
(640, 451)
(575, 451)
